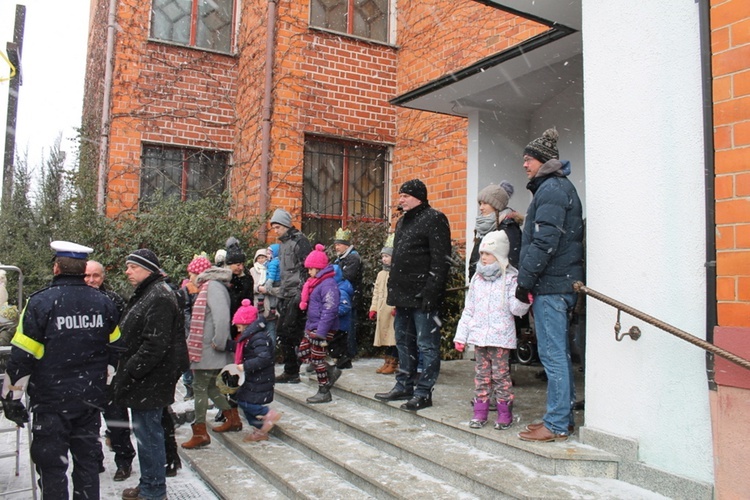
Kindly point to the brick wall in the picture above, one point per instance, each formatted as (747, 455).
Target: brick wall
(324, 84)
(163, 94)
(730, 41)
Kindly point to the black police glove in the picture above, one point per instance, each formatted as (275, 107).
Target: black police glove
(522, 294)
(14, 410)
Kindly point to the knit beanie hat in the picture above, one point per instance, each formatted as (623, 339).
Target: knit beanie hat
(317, 259)
(220, 258)
(146, 259)
(497, 244)
(235, 255)
(343, 236)
(198, 265)
(246, 313)
(497, 196)
(415, 188)
(544, 148)
(282, 217)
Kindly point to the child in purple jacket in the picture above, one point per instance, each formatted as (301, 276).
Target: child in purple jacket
(320, 297)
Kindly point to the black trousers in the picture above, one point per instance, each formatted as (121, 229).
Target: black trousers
(118, 431)
(290, 328)
(53, 435)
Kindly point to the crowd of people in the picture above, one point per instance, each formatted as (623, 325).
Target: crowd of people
(81, 351)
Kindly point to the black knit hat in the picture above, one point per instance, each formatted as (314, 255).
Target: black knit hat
(146, 259)
(544, 148)
(235, 255)
(415, 188)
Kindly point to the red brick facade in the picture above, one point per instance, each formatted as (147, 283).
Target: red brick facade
(324, 84)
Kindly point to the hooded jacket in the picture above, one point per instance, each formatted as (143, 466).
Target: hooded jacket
(421, 259)
(323, 308)
(153, 334)
(552, 241)
(257, 362)
(217, 324)
(293, 251)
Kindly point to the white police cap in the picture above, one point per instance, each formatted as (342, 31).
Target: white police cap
(69, 249)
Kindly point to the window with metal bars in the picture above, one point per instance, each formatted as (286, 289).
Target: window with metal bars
(204, 24)
(342, 181)
(186, 174)
(362, 18)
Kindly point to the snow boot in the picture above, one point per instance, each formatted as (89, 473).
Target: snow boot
(188, 392)
(481, 408)
(323, 396)
(504, 415)
(232, 422)
(200, 437)
(269, 420)
(385, 363)
(333, 375)
(391, 365)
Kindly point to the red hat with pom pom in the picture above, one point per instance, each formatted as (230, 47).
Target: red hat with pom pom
(246, 313)
(317, 259)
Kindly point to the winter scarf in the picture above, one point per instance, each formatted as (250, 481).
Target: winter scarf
(261, 269)
(485, 224)
(197, 323)
(309, 286)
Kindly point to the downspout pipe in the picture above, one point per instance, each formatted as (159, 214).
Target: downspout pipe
(265, 155)
(704, 19)
(103, 169)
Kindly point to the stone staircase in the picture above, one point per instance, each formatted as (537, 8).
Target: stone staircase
(357, 447)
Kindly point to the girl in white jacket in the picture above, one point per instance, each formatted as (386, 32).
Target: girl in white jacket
(487, 323)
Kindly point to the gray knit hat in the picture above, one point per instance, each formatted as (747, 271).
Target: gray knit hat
(544, 148)
(281, 216)
(497, 196)
(146, 259)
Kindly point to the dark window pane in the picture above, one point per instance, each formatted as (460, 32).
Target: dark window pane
(371, 19)
(329, 14)
(215, 25)
(171, 20)
(367, 169)
(323, 171)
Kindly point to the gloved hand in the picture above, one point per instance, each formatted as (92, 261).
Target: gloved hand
(372, 315)
(523, 294)
(459, 346)
(14, 410)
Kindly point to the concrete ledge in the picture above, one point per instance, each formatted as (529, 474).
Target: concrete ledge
(645, 476)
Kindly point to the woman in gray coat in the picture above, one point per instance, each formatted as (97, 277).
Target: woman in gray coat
(209, 331)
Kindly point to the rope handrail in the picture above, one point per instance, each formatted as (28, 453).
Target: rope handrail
(581, 288)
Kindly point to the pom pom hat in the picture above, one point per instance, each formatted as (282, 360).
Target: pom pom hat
(317, 259)
(496, 196)
(544, 148)
(198, 265)
(246, 313)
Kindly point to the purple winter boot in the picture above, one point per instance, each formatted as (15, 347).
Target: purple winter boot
(481, 408)
(504, 415)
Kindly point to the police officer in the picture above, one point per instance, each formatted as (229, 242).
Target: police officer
(61, 350)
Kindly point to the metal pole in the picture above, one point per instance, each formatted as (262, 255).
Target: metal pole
(15, 48)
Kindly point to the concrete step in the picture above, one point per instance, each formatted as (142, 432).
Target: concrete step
(223, 471)
(290, 472)
(446, 454)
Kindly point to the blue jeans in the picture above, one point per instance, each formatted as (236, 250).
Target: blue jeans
(152, 455)
(551, 324)
(252, 411)
(417, 334)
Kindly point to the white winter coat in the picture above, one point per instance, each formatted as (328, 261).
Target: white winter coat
(487, 319)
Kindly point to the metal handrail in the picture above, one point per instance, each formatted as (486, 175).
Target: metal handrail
(581, 288)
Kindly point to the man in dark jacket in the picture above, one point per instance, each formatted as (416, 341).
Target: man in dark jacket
(61, 349)
(293, 250)
(551, 261)
(115, 416)
(155, 356)
(416, 285)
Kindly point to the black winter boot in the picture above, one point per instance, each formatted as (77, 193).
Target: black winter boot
(323, 396)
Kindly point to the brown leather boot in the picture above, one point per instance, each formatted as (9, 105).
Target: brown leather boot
(385, 365)
(233, 423)
(200, 437)
(391, 365)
